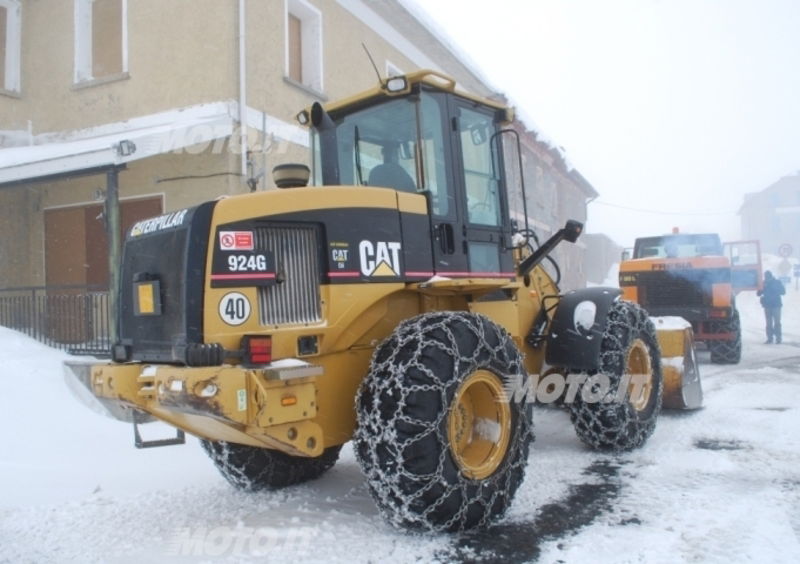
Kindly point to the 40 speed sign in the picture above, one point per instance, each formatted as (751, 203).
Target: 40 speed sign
(234, 308)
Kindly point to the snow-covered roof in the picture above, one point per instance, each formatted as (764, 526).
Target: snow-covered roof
(116, 144)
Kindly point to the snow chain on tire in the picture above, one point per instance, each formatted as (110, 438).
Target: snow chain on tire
(614, 423)
(728, 352)
(405, 409)
(251, 468)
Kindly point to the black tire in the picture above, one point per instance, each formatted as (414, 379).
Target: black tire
(406, 408)
(728, 352)
(616, 422)
(252, 469)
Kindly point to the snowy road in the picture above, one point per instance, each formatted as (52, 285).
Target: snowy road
(721, 484)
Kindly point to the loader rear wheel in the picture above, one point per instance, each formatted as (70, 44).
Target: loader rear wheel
(728, 352)
(623, 414)
(441, 441)
(251, 468)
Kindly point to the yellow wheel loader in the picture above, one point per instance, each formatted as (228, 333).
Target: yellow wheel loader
(391, 302)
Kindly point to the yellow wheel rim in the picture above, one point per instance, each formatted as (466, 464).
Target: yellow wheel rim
(640, 371)
(479, 425)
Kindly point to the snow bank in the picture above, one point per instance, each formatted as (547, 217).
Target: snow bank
(62, 451)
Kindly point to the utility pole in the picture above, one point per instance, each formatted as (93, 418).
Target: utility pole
(113, 228)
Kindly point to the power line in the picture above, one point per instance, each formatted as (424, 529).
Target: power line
(660, 212)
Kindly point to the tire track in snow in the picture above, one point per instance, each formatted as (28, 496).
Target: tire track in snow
(521, 541)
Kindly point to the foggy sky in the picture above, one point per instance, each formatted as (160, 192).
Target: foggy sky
(672, 108)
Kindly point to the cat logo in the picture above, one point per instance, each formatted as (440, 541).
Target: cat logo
(379, 259)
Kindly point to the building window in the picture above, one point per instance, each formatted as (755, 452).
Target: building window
(304, 44)
(101, 39)
(10, 30)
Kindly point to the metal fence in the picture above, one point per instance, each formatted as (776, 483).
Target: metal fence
(75, 319)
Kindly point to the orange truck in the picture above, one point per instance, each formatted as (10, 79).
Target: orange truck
(696, 277)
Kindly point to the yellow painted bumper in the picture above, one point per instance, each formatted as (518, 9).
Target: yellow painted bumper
(267, 407)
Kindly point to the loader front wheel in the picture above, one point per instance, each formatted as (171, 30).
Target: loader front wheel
(620, 409)
(443, 428)
(251, 468)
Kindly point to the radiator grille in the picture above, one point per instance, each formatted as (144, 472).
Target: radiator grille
(296, 299)
(667, 290)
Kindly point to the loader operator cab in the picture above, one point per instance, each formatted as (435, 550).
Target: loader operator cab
(415, 134)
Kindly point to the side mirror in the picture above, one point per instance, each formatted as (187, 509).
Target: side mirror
(478, 134)
(626, 255)
(406, 150)
(572, 230)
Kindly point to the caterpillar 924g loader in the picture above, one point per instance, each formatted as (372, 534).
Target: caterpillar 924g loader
(392, 302)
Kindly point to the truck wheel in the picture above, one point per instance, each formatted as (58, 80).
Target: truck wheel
(728, 352)
(252, 468)
(622, 415)
(443, 426)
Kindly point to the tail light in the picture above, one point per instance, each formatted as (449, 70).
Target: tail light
(256, 349)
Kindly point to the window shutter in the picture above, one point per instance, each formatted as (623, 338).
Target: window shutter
(106, 37)
(295, 49)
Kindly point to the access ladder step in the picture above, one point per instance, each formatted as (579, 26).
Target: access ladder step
(138, 418)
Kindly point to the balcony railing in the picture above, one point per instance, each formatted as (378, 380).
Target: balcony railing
(75, 319)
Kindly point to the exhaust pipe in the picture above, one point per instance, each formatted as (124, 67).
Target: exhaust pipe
(324, 125)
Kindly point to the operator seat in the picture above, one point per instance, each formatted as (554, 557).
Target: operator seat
(391, 175)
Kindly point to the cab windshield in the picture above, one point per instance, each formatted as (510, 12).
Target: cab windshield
(397, 143)
(678, 246)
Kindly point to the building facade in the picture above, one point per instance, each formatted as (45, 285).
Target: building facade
(556, 192)
(602, 253)
(163, 105)
(772, 216)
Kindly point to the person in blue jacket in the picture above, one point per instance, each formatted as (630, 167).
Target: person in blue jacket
(771, 301)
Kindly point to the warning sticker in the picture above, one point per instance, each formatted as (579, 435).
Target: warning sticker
(236, 240)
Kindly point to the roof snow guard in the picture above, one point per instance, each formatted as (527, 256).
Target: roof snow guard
(52, 156)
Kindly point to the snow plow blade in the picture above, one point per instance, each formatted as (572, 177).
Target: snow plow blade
(682, 388)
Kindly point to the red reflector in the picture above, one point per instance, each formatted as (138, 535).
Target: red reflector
(718, 313)
(258, 350)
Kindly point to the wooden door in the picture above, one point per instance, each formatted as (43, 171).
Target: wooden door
(76, 254)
